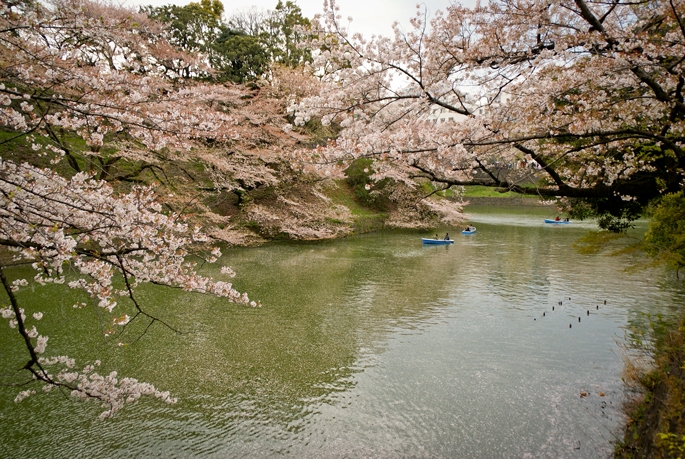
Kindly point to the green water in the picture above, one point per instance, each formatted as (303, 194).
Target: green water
(370, 346)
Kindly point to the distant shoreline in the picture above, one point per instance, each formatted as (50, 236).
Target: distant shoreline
(506, 202)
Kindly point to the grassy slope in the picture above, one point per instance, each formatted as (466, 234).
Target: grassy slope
(365, 219)
(656, 425)
(479, 191)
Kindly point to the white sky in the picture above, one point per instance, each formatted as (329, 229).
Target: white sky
(370, 16)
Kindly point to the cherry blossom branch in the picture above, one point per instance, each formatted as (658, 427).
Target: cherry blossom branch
(19, 317)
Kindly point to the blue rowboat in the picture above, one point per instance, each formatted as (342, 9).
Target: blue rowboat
(437, 241)
(469, 231)
(556, 221)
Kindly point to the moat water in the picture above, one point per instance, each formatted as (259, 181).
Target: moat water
(369, 346)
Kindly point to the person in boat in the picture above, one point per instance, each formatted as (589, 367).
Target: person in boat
(566, 219)
(437, 238)
(447, 237)
(557, 219)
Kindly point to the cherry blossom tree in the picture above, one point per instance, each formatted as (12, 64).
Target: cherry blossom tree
(83, 71)
(86, 86)
(79, 232)
(592, 92)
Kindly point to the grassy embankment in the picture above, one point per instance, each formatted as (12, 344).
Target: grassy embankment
(366, 219)
(479, 191)
(656, 425)
(188, 181)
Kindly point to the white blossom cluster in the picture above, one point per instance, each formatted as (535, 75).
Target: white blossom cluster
(81, 224)
(586, 89)
(126, 86)
(94, 73)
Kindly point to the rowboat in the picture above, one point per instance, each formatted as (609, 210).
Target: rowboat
(437, 241)
(471, 231)
(556, 221)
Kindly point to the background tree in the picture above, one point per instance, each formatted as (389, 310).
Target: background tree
(238, 57)
(243, 48)
(592, 92)
(282, 33)
(192, 27)
(278, 30)
(249, 20)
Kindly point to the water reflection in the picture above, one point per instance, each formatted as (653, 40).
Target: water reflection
(374, 346)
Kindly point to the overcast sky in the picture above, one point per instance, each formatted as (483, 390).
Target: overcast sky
(370, 16)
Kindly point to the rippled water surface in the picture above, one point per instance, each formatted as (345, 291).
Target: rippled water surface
(370, 346)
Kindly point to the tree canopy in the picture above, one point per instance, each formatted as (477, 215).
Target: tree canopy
(242, 48)
(192, 27)
(590, 91)
(283, 31)
(238, 57)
